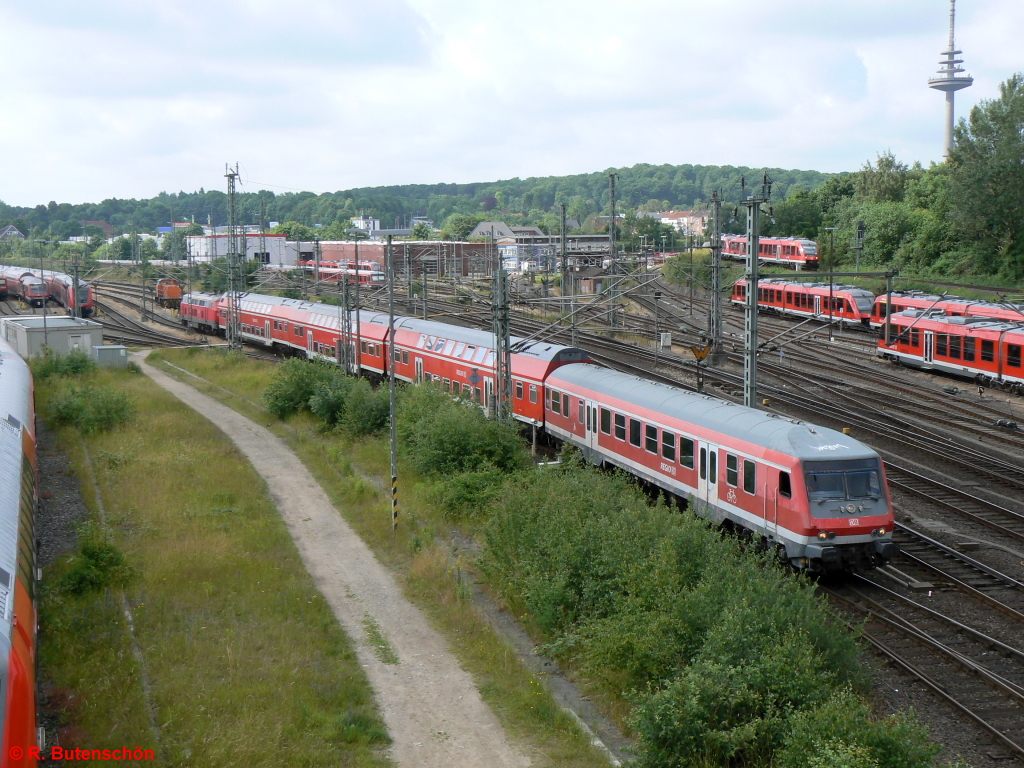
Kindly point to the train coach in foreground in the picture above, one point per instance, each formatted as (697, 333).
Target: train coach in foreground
(817, 496)
(17, 561)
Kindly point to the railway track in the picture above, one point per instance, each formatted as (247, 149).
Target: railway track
(981, 677)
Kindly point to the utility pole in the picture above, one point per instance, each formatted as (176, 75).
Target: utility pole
(389, 257)
(716, 353)
(831, 270)
(263, 231)
(74, 289)
(359, 328)
(753, 205)
(859, 246)
(613, 253)
(233, 331)
(502, 346)
(561, 250)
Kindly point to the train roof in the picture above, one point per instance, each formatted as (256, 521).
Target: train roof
(969, 323)
(771, 432)
(540, 350)
(852, 289)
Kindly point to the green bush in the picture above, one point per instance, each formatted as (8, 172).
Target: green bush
(99, 564)
(445, 436)
(718, 649)
(74, 363)
(843, 727)
(329, 398)
(367, 410)
(467, 495)
(90, 409)
(295, 382)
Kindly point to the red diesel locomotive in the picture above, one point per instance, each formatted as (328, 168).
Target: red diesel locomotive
(18, 497)
(850, 305)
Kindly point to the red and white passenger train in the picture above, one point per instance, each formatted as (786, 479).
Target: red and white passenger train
(954, 306)
(850, 305)
(817, 496)
(18, 496)
(979, 348)
(798, 252)
(365, 273)
(34, 286)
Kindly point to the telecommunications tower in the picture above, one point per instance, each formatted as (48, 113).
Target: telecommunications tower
(952, 79)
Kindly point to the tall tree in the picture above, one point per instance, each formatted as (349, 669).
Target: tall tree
(986, 188)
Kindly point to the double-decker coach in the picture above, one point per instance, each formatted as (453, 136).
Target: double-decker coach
(817, 496)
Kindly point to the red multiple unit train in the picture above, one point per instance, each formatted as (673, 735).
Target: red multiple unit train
(849, 305)
(980, 348)
(798, 252)
(817, 496)
(366, 273)
(18, 496)
(954, 306)
(34, 287)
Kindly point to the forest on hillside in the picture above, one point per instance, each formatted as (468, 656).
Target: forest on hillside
(964, 217)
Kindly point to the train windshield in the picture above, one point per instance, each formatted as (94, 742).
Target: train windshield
(811, 249)
(864, 303)
(853, 479)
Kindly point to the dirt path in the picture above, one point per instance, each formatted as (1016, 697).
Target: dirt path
(432, 709)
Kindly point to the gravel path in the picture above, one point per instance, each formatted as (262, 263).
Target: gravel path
(433, 710)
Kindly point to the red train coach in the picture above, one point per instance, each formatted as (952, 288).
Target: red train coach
(61, 288)
(985, 350)
(3, 288)
(954, 306)
(817, 496)
(850, 305)
(462, 361)
(18, 498)
(798, 252)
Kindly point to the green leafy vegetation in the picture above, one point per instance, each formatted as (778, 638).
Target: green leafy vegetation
(90, 408)
(99, 564)
(74, 363)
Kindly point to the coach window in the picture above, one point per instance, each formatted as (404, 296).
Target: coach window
(620, 427)
(405, 357)
(519, 390)
(987, 351)
(362, 347)
(915, 337)
(446, 384)
(686, 452)
(651, 438)
(565, 406)
(749, 476)
(1013, 355)
(732, 471)
(969, 350)
(954, 346)
(579, 412)
(668, 446)
(634, 432)
(712, 466)
(533, 393)
(606, 421)
(396, 355)
(298, 330)
(940, 343)
(556, 401)
(703, 463)
(477, 395)
(785, 489)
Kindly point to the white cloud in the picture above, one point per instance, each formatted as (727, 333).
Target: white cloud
(121, 98)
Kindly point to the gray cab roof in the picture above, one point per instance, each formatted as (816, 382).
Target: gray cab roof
(794, 438)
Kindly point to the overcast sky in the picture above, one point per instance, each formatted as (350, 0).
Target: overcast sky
(126, 98)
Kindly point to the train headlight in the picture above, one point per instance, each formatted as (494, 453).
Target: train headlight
(851, 508)
(881, 531)
(822, 535)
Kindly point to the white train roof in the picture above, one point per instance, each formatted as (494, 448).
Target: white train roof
(788, 436)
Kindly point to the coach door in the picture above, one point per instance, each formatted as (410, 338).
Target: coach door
(309, 342)
(929, 349)
(817, 305)
(593, 416)
(419, 370)
(266, 336)
(707, 476)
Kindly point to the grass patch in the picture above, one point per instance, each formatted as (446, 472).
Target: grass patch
(526, 710)
(379, 642)
(246, 663)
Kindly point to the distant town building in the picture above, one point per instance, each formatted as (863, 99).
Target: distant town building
(685, 222)
(11, 232)
(279, 251)
(366, 223)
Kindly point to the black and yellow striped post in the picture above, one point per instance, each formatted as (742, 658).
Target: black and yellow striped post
(390, 346)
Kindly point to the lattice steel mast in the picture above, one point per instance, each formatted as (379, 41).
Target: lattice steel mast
(753, 205)
(234, 287)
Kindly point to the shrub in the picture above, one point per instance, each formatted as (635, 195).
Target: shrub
(468, 494)
(445, 436)
(74, 363)
(367, 410)
(99, 564)
(843, 726)
(295, 382)
(329, 397)
(90, 409)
